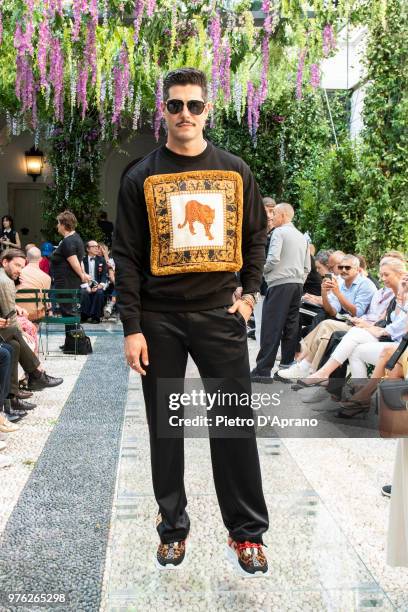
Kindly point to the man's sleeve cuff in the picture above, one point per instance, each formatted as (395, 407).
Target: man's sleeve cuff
(131, 326)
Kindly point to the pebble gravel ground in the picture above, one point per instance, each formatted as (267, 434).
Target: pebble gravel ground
(81, 516)
(55, 539)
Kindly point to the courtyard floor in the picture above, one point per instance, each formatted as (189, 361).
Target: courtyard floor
(77, 512)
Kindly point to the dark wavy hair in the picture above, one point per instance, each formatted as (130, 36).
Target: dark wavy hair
(185, 76)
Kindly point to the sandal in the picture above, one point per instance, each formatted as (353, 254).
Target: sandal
(351, 409)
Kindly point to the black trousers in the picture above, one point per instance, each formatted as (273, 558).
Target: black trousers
(280, 324)
(21, 353)
(92, 303)
(6, 355)
(216, 340)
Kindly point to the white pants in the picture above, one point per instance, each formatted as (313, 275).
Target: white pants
(359, 347)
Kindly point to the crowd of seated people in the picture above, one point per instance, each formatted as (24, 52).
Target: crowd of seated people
(358, 322)
(18, 345)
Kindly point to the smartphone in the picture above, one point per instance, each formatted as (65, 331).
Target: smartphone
(10, 314)
(329, 275)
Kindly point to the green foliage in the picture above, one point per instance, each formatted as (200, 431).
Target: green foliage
(384, 160)
(75, 156)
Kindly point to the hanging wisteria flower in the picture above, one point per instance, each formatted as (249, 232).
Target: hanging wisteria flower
(250, 102)
(265, 69)
(225, 71)
(82, 88)
(299, 76)
(314, 76)
(215, 34)
(329, 41)
(137, 18)
(43, 44)
(256, 108)
(136, 112)
(121, 78)
(1, 24)
(90, 49)
(57, 78)
(159, 113)
(237, 96)
(151, 5)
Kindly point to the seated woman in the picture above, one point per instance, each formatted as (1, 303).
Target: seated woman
(362, 345)
(365, 330)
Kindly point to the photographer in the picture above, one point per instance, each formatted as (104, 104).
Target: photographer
(93, 292)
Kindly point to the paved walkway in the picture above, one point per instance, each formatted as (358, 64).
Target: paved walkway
(77, 511)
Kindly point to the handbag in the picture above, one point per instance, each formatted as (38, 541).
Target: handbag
(392, 399)
(77, 339)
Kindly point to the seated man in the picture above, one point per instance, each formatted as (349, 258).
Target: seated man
(32, 277)
(12, 262)
(93, 294)
(351, 296)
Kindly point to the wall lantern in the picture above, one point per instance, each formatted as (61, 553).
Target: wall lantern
(34, 162)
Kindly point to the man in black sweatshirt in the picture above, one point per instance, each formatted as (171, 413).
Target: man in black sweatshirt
(189, 216)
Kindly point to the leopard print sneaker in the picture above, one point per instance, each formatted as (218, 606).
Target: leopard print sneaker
(247, 558)
(170, 556)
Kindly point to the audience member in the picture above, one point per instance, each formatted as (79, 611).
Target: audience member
(32, 277)
(9, 238)
(93, 293)
(287, 263)
(46, 251)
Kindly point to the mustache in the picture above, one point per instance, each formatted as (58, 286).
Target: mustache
(185, 122)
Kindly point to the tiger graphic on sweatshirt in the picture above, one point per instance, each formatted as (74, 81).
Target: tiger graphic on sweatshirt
(201, 213)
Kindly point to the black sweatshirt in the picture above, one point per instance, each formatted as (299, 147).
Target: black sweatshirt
(184, 226)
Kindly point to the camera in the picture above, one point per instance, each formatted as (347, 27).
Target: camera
(93, 284)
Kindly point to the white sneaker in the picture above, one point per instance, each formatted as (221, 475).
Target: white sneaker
(298, 370)
(313, 396)
(107, 311)
(3, 445)
(6, 461)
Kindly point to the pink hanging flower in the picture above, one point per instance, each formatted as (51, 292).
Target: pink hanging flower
(151, 5)
(79, 7)
(314, 76)
(93, 10)
(1, 25)
(159, 113)
(215, 34)
(256, 109)
(299, 76)
(81, 88)
(121, 79)
(329, 41)
(137, 18)
(43, 45)
(57, 77)
(90, 49)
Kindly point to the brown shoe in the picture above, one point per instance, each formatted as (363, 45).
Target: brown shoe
(21, 394)
(170, 556)
(6, 426)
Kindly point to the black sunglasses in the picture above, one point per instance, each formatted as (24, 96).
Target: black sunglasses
(344, 267)
(196, 107)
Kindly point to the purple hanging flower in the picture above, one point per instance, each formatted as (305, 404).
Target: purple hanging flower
(93, 10)
(256, 108)
(314, 76)
(250, 102)
(159, 113)
(137, 18)
(299, 76)
(329, 41)
(1, 25)
(266, 6)
(215, 35)
(79, 7)
(265, 69)
(225, 71)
